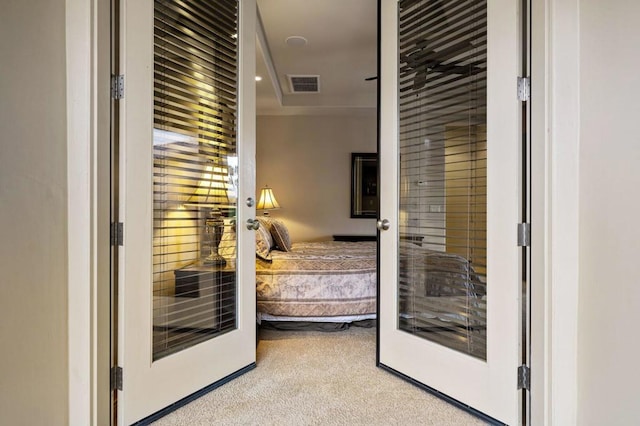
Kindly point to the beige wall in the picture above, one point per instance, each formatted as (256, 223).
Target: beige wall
(609, 293)
(307, 162)
(33, 211)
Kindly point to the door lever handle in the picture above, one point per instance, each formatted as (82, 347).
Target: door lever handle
(253, 225)
(383, 224)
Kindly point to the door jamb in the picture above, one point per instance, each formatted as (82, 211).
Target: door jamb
(88, 104)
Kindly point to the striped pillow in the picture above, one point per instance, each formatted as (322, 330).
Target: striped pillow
(280, 235)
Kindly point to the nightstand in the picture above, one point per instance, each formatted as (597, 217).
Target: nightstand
(208, 287)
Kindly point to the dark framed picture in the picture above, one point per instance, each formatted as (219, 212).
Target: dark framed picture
(364, 185)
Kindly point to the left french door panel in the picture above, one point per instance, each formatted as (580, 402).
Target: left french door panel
(186, 275)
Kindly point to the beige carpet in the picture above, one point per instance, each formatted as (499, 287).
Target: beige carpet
(316, 378)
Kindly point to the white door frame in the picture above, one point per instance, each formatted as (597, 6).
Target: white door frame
(555, 94)
(555, 114)
(88, 40)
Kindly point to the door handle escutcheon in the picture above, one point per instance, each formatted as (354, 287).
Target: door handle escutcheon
(383, 224)
(253, 224)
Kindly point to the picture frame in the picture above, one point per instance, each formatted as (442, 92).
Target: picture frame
(364, 185)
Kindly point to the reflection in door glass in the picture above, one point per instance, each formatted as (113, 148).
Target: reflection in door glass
(195, 172)
(443, 163)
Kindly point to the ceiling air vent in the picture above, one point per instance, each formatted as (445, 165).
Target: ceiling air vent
(304, 83)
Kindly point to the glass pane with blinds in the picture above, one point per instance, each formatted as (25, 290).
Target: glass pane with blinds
(443, 163)
(195, 172)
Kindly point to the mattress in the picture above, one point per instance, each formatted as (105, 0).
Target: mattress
(318, 279)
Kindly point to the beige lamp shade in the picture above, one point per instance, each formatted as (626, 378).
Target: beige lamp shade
(212, 189)
(267, 200)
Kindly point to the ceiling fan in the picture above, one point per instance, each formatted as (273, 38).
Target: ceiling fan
(423, 58)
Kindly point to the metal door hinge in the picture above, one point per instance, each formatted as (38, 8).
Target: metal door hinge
(117, 86)
(117, 234)
(524, 234)
(524, 377)
(116, 378)
(524, 89)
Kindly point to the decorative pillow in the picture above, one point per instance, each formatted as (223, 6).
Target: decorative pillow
(266, 222)
(264, 242)
(280, 235)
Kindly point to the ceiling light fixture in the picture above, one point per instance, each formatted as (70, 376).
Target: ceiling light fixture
(258, 78)
(296, 41)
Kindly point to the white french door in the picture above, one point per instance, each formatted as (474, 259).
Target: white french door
(186, 284)
(451, 184)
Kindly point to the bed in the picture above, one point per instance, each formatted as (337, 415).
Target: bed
(318, 281)
(335, 282)
(328, 281)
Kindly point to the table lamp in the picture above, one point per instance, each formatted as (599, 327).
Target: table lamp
(210, 196)
(267, 201)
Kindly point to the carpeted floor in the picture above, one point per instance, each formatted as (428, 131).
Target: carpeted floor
(318, 378)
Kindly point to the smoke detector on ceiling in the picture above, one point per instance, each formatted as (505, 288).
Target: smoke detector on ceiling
(304, 83)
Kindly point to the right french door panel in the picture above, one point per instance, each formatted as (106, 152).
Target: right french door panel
(451, 188)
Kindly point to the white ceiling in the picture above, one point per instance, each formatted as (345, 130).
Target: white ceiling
(341, 49)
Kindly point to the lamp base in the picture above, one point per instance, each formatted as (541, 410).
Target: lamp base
(214, 259)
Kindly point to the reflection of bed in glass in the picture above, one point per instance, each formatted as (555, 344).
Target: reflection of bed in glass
(442, 299)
